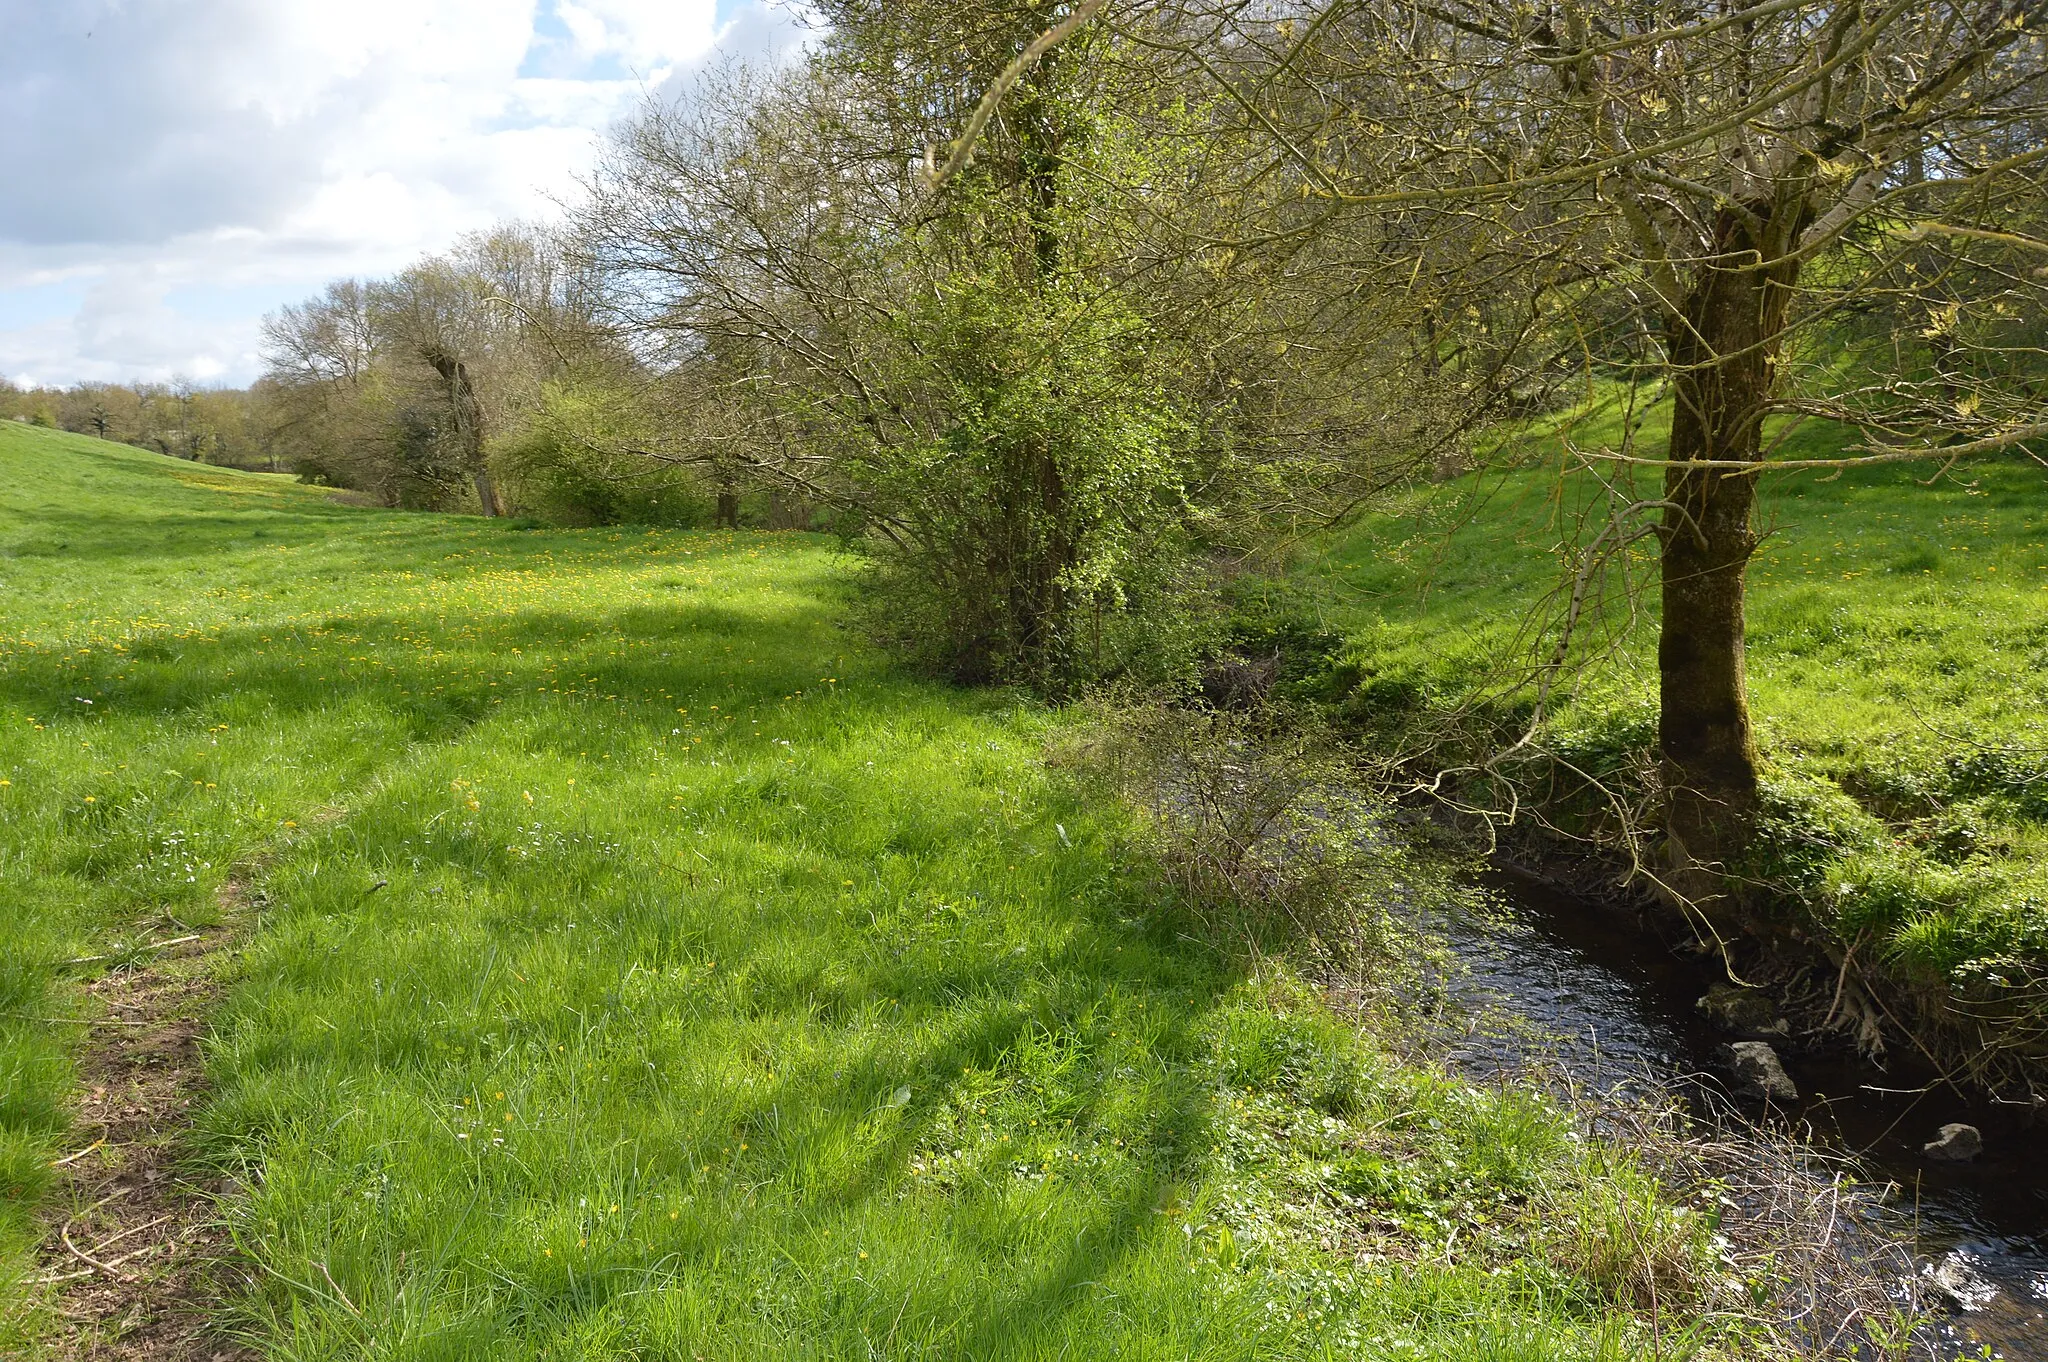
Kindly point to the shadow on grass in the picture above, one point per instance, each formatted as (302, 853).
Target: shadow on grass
(460, 678)
(577, 680)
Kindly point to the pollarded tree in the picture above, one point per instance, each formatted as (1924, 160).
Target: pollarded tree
(400, 385)
(435, 316)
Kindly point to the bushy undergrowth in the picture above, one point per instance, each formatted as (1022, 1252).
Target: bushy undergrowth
(576, 464)
(555, 485)
(1035, 529)
(1256, 824)
(1259, 827)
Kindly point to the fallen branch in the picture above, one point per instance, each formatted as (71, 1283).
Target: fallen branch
(51, 1279)
(106, 1244)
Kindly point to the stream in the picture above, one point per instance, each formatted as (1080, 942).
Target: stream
(1609, 1002)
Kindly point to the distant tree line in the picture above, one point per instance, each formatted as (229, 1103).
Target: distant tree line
(207, 425)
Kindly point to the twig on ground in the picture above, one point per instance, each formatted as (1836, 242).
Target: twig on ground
(74, 1158)
(106, 1244)
(115, 955)
(86, 1258)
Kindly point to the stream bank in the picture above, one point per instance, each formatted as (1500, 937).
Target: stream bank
(1256, 824)
(1581, 986)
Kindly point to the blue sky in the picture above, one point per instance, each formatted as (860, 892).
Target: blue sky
(177, 168)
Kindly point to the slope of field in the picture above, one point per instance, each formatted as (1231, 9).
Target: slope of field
(624, 963)
(1898, 663)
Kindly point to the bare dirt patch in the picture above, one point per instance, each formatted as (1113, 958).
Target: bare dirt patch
(136, 1265)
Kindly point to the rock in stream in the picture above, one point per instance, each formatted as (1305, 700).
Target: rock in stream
(1955, 1143)
(1748, 1012)
(1758, 1073)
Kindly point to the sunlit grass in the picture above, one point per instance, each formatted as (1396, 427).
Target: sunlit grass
(636, 966)
(1897, 632)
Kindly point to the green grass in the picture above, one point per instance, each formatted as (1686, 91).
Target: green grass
(1898, 667)
(636, 966)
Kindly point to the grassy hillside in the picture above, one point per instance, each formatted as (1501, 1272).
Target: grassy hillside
(629, 963)
(1898, 631)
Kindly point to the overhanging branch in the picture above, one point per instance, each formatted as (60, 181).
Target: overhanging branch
(963, 145)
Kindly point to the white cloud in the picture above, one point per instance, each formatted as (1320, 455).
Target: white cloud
(175, 168)
(650, 36)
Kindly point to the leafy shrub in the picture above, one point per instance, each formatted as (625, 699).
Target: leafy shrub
(568, 484)
(575, 462)
(1041, 530)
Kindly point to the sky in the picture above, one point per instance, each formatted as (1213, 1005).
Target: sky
(171, 170)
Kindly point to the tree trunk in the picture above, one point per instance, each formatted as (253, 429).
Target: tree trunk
(469, 424)
(487, 492)
(1041, 158)
(1042, 610)
(1722, 352)
(1708, 751)
(788, 511)
(727, 516)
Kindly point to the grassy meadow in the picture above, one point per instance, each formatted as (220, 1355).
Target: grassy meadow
(631, 964)
(1898, 667)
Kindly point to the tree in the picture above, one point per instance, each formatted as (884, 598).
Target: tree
(436, 315)
(991, 331)
(1725, 176)
(403, 386)
(324, 398)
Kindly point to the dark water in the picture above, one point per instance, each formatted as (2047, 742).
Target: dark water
(1596, 993)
